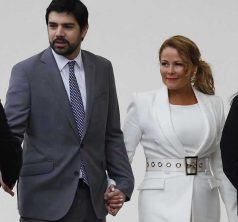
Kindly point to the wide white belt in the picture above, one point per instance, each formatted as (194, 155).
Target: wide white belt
(189, 165)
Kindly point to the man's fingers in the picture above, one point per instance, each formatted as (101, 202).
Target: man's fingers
(115, 201)
(111, 194)
(106, 193)
(5, 187)
(112, 188)
(8, 190)
(112, 211)
(116, 206)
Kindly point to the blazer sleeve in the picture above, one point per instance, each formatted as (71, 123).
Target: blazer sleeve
(229, 144)
(226, 189)
(131, 129)
(118, 166)
(10, 152)
(17, 106)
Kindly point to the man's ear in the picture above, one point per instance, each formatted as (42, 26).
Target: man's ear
(84, 32)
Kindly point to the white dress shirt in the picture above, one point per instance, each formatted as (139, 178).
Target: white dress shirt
(62, 63)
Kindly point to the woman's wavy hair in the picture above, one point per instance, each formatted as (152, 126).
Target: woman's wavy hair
(191, 56)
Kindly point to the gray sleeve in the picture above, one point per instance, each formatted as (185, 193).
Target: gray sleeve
(118, 165)
(17, 105)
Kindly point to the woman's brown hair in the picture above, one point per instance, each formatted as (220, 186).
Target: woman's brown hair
(191, 56)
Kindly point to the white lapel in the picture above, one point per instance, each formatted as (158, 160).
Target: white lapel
(162, 114)
(210, 122)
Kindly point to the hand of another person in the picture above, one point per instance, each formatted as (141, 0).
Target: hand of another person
(6, 187)
(114, 200)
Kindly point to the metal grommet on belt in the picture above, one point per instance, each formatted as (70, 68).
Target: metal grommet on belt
(178, 165)
(160, 164)
(168, 164)
(152, 164)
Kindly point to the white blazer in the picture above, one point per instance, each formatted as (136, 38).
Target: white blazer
(173, 196)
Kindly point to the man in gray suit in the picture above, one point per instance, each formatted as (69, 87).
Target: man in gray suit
(62, 102)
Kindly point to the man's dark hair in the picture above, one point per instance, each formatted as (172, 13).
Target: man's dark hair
(74, 7)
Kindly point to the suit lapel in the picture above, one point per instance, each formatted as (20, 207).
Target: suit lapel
(210, 122)
(55, 82)
(162, 112)
(89, 69)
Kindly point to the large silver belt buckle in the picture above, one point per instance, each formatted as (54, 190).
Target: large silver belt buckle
(191, 163)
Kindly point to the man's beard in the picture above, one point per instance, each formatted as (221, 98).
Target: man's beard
(66, 51)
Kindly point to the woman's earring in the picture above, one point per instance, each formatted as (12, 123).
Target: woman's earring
(193, 78)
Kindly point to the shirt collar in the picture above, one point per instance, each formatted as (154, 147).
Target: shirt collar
(62, 60)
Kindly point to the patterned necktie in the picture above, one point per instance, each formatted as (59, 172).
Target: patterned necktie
(76, 103)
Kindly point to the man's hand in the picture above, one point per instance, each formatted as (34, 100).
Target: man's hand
(114, 199)
(6, 187)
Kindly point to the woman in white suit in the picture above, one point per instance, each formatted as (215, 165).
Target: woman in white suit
(179, 128)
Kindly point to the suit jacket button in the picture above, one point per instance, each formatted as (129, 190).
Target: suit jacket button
(76, 173)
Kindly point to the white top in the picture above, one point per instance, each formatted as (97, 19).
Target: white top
(188, 124)
(62, 63)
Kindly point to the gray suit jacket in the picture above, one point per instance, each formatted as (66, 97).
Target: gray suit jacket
(38, 111)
